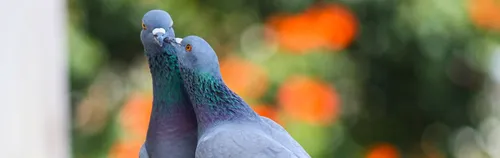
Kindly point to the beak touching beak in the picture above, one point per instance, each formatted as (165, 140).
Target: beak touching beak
(161, 36)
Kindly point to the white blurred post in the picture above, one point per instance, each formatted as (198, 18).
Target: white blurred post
(33, 87)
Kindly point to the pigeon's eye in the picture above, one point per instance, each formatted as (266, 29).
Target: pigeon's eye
(189, 48)
(143, 26)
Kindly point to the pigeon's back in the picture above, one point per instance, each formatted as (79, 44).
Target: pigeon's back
(279, 134)
(247, 140)
(143, 153)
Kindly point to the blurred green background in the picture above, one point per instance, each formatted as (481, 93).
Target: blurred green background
(347, 78)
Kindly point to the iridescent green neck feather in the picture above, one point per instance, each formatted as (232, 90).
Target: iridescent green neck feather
(167, 84)
(213, 101)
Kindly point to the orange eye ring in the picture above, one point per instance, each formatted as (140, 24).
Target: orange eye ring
(144, 26)
(189, 48)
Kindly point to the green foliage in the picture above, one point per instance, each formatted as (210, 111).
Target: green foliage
(85, 59)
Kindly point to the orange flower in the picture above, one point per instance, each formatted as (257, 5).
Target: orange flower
(331, 26)
(338, 23)
(125, 149)
(267, 111)
(243, 77)
(135, 114)
(485, 13)
(383, 150)
(309, 100)
(296, 34)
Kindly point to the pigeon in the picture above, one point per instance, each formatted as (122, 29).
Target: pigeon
(227, 126)
(172, 129)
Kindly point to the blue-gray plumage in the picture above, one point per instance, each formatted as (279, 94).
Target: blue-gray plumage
(172, 126)
(227, 126)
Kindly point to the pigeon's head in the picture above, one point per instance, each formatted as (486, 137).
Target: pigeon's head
(196, 55)
(156, 29)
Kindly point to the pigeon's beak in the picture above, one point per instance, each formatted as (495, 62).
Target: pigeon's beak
(161, 36)
(176, 43)
(178, 40)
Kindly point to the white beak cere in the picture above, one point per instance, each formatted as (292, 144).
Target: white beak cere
(157, 31)
(178, 40)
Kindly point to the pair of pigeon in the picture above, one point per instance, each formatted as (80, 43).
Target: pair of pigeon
(194, 113)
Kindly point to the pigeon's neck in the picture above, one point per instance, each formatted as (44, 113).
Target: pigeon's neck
(213, 101)
(168, 90)
(171, 115)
